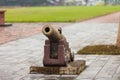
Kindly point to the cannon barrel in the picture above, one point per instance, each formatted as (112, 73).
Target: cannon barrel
(52, 34)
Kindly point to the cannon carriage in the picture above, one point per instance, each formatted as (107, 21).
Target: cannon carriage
(58, 58)
(56, 49)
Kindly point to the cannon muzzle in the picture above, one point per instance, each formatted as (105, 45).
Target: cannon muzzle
(53, 34)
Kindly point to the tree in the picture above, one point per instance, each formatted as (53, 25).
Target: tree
(117, 1)
(86, 1)
(2, 2)
(61, 2)
(105, 1)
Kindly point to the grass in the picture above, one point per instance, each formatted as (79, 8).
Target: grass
(57, 13)
(100, 49)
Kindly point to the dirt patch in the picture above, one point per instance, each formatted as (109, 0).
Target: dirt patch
(100, 49)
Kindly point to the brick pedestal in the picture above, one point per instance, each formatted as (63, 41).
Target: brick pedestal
(2, 19)
(2, 15)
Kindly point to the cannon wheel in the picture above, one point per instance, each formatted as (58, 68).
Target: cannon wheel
(72, 56)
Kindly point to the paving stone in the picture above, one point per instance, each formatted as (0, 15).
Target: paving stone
(114, 78)
(89, 73)
(20, 30)
(98, 63)
(40, 77)
(103, 57)
(17, 56)
(92, 57)
(83, 79)
(108, 71)
(117, 75)
(32, 76)
(118, 70)
(5, 78)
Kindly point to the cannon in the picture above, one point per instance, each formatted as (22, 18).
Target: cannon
(58, 58)
(56, 49)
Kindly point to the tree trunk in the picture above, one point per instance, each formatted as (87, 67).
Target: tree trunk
(118, 37)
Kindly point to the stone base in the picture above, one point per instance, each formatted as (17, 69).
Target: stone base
(5, 25)
(73, 68)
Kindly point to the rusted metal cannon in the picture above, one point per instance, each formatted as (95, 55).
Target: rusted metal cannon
(58, 58)
(56, 49)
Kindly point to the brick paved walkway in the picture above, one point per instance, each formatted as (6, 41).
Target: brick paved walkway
(17, 56)
(20, 30)
(111, 18)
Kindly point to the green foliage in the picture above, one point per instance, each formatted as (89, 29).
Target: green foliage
(57, 13)
(22, 2)
(100, 4)
(100, 49)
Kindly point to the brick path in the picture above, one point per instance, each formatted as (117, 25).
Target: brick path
(111, 18)
(20, 30)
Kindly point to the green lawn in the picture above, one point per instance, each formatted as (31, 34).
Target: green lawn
(57, 14)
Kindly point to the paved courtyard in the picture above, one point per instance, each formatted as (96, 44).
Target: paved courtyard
(17, 56)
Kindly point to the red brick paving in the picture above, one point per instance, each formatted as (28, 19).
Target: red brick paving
(20, 30)
(111, 18)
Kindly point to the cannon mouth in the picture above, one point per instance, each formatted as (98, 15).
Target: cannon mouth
(47, 29)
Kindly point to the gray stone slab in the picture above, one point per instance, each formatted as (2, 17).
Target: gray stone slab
(108, 71)
(118, 70)
(48, 77)
(114, 78)
(17, 56)
(83, 79)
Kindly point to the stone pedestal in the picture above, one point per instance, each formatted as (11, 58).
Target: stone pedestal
(73, 68)
(2, 19)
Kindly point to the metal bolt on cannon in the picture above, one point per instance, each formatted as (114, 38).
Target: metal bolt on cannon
(58, 58)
